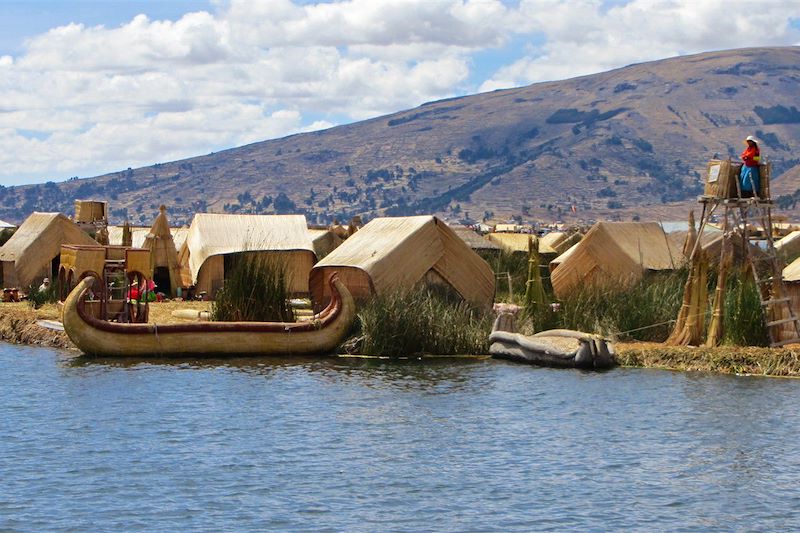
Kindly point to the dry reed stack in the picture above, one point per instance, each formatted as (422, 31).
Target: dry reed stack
(535, 300)
(691, 321)
(716, 327)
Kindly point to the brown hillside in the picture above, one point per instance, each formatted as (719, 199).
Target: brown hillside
(625, 143)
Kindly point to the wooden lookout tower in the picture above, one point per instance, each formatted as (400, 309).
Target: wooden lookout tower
(746, 216)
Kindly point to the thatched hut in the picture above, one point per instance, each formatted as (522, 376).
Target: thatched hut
(325, 240)
(475, 240)
(615, 252)
(788, 248)
(163, 255)
(138, 235)
(711, 243)
(550, 244)
(791, 281)
(511, 242)
(552, 265)
(396, 253)
(214, 240)
(34, 251)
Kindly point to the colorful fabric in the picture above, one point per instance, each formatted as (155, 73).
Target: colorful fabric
(748, 178)
(751, 156)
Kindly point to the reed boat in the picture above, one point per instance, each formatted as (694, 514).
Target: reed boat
(319, 335)
(562, 348)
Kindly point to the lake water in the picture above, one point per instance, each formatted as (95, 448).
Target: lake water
(367, 445)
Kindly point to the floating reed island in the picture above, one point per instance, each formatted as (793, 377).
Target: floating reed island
(421, 286)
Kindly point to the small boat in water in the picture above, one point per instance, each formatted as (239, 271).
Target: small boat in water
(557, 347)
(320, 335)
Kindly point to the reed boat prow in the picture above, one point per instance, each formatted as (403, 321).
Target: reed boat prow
(322, 334)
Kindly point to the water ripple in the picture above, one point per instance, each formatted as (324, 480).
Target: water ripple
(370, 445)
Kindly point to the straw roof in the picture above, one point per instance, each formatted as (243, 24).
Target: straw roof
(513, 242)
(549, 241)
(474, 240)
(396, 253)
(138, 235)
(789, 247)
(179, 236)
(615, 252)
(711, 244)
(162, 249)
(563, 257)
(34, 245)
(511, 228)
(792, 272)
(217, 234)
(325, 240)
(783, 228)
(518, 242)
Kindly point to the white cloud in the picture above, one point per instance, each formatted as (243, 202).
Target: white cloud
(475, 23)
(90, 99)
(581, 38)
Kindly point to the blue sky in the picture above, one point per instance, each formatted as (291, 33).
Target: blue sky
(89, 87)
(22, 20)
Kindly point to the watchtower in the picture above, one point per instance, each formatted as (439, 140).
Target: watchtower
(744, 215)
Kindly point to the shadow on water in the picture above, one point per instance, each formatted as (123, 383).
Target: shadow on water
(422, 373)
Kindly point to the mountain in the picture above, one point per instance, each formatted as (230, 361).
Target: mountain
(628, 143)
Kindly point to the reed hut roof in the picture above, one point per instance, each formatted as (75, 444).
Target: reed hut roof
(518, 242)
(325, 240)
(509, 228)
(563, 257)
(615, 252)
(549, 241)
(475, 240)
(162, 249)
(711, 243)
(213, 234)
(138, 234)
(784, 228)
(37, 241)
(396, 253)
(513, 242)
(179, 236)
(791, 273)
(789, 247)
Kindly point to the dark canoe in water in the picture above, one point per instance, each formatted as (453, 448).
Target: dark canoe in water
(558, 347)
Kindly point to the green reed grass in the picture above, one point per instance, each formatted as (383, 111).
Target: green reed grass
(37, 298)
(648, 306)
(744, 324)
(505, 263)
(645, 311)
(424, 320)
(256, 289)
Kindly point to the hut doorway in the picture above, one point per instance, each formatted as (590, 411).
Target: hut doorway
(161, 279)
(55, 266)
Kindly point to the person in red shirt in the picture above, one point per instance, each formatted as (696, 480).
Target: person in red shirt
(133, 292)
(749, 179)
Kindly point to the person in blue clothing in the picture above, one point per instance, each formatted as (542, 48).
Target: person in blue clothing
(749, 179)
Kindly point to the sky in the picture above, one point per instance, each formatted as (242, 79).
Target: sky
(90, 87)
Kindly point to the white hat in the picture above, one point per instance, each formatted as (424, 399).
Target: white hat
(751, 138)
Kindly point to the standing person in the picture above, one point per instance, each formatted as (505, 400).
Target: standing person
(749, 179)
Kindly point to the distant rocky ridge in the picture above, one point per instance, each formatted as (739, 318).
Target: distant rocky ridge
(626, 144)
